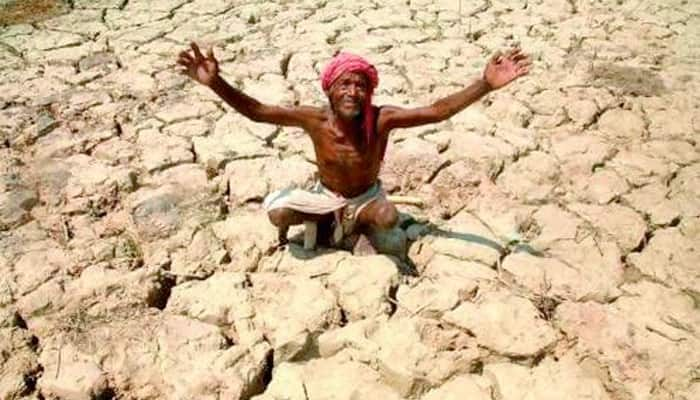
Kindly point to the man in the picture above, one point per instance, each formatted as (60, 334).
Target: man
(349, 137)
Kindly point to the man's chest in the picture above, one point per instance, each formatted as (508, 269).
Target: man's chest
(337, 149)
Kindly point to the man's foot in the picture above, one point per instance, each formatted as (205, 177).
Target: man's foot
(364, 247)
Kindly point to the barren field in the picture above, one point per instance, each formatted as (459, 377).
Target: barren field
(556, 256)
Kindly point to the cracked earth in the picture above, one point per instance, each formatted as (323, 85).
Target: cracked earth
(556, 256)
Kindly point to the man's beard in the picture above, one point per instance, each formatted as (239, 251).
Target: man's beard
(353, 114)
(356, 114)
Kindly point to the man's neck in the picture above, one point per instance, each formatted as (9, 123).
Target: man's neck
(349, 126)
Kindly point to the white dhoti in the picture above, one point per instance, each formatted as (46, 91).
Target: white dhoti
(321, 200)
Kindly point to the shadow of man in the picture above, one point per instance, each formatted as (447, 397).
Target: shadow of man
(394, 243)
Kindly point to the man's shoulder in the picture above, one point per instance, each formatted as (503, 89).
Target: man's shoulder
(317, 113)
(383, 113)
(310, 109)
(386, 109)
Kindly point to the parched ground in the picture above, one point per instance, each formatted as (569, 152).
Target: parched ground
(556, 258)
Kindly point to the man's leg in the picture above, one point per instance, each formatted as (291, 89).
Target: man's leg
(284, 217)
(380, 214)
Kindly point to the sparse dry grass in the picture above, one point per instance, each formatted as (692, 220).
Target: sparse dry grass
(28, 11)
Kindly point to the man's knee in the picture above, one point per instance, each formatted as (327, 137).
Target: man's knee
(386, 216)
(279, 217)
(283, 217)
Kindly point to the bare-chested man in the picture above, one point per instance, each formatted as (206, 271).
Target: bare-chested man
(349, 137)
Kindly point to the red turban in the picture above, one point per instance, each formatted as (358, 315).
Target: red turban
(347, 62)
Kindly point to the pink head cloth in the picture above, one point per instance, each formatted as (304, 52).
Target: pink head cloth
(348, 62)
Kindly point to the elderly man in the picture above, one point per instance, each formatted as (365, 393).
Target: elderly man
(349, 136)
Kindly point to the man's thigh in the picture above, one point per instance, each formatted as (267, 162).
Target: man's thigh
(288, 216)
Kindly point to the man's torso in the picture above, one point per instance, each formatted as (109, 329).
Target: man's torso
(347, 163)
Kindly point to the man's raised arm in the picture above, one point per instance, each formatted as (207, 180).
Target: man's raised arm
(501, 70)
(205, 70)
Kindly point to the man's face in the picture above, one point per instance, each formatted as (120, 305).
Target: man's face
(348, 95)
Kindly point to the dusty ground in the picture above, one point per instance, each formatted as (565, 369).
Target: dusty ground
(557, 259)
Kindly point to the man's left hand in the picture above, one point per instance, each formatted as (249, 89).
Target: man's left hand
(505, 68)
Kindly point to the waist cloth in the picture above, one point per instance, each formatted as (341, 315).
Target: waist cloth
(321, 200)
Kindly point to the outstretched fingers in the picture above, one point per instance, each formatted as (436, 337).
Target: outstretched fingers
(524, 62)
(516, 55)
(185, 59)
(197, 53)
(186, 55)
(521, 60)
(522, 68)
(496, 58)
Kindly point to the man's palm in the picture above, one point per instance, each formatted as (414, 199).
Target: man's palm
(202, 69)
(503, 69)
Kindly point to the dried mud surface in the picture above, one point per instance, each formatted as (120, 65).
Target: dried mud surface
(557, 256)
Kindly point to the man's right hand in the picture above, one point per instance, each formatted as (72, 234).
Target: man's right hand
(205, 70)
(202, 69)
